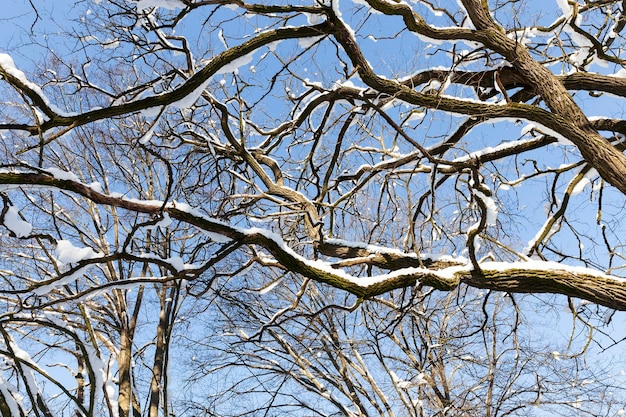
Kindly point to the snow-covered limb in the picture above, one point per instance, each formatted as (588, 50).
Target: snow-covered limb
(522, 277)
(10, 73)
(418, 25)
(15, 224)
(177, 268)
(553, 222)
(177, 96)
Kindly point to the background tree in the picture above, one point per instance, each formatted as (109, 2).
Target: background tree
(433, 353)
(344, 196)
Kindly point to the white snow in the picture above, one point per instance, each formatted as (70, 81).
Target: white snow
(402, 384)
(492, 209)
(565, 7)
(492, 149)
(397, 381)
(427, 40)
(547, 131)
(165, 4)
(273, 45)
(102, 377)
(27, 369)
(233, 66)
(216, 237)
(151, 112)
(619, 74)
(96, 186)
(12, 398)
(416, 115)
(270, 287)
(525, 36)
(334, 4)
(45, 289)
(148, 135)
(554, 228)
(369, 247)
(325, 267)
(62, 175)
(163, 224)
(191, 98)
(584, 182)
(536, 265)
(111, 44)
(475, 101)
(433, 85)
(304, 43)
(314, 18)
(66, 253)
(14, 223)
(177, 263)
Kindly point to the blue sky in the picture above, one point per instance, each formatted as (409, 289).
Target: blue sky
(15, 29)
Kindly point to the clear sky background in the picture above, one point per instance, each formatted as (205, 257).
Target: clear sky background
(23, 31)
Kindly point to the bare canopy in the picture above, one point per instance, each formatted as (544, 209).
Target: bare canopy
(309, 174)
(158, 151)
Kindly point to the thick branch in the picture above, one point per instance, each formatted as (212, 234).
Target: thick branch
(532, 277)
(564, 117)
(596, 149)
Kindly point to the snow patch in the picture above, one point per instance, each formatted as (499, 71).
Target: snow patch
(581, 186)
(67, 279)
(14, 223)
(270, 287)
(402, 384)
(67, 253)
(305, 43)
(216, 237)
(62, 175)
(492, 209)
(565, 7)
(546, 131)
(233, 67)
(164, 223)
(11, 398)
(191, 98)
(164, 4)
(493, 149)
(416, 115)
(314, 18)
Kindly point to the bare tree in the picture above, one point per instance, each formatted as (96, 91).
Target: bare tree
(156, 152)
(421, 354)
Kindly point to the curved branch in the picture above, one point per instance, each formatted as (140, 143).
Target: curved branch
(522, 277)
(190, 86)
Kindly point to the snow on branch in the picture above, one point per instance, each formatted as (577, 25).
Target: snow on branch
(178, 96)
(18, 79)
(523, 277)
